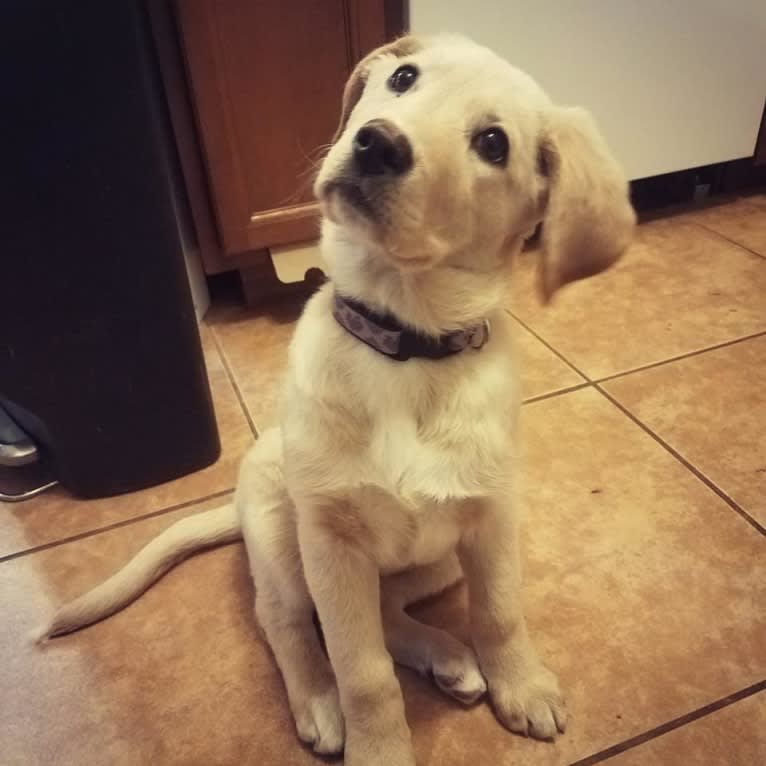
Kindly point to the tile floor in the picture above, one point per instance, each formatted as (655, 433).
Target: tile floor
(646, 550)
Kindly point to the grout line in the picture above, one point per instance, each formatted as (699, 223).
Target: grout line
(232, 379)
(550, 347)
(729, 240)
(676, 723)
(686, 355)
(596, 384)
(114, 525)
(735, 506)
(559, 392)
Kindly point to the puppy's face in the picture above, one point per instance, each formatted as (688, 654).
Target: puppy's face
(438, 158)
(448, 155)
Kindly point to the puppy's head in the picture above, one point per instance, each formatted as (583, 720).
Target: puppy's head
(446, 154)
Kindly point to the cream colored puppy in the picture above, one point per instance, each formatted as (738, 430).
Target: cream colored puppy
(392, 473)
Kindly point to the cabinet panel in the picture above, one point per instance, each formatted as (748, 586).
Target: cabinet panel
(266, 79)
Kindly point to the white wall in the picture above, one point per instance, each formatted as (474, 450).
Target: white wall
(673, 83)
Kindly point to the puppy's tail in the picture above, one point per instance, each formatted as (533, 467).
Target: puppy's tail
(202, 530)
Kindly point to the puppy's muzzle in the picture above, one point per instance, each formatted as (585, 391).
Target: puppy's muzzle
(380, 148)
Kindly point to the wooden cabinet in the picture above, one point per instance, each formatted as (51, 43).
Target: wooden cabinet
(265, 80)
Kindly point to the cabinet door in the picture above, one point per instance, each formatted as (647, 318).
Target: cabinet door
(266, 79)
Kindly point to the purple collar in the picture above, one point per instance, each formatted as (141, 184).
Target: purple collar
(389, 336)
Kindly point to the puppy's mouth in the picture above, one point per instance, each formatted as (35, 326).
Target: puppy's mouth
(369, 206)
(352, 193)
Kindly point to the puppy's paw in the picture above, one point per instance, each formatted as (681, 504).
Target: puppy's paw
(456, 672)
(319, 721)
(380, 749)
(528, 701)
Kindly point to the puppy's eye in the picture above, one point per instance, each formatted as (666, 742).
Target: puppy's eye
(403, 78)
(492, 146)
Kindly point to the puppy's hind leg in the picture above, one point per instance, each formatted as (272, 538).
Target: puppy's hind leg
(306, 671)
(283, 606)
(428, 650)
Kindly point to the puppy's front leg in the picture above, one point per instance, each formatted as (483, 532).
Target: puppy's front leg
(524, 693)
(345, 585)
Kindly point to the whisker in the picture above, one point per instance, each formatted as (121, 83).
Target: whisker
(305, 178)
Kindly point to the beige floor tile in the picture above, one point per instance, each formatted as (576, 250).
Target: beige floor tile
(254, 343)
(177, 678)
(645, 591)
(680, 288)
(55, 514)
(733, 736)
(542, 372)
(742, 221)
(711, 408)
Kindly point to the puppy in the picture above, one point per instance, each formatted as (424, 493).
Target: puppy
(391, 475)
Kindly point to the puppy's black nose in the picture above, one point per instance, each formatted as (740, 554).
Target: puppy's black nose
(380, 147)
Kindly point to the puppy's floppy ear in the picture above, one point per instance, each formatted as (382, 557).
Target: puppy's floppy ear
(352, 92)
(589, 220)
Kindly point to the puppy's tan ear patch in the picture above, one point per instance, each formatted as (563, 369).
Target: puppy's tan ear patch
(589, 220)
(352, 92)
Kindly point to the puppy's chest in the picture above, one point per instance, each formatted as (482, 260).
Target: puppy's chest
(449, 448)
(420, 432)
(435, 458)
(443, 451)
(401, 536)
